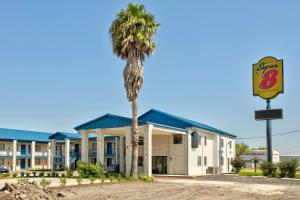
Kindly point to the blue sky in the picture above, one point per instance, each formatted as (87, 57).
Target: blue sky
(57, 67)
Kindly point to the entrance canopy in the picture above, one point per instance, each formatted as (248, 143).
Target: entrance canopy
(159, 120)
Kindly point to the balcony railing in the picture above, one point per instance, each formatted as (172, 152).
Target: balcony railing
(6, 153)
(110, 151)
(107, 152)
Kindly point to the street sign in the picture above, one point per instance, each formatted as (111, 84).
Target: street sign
(268, 114)
(267, 77)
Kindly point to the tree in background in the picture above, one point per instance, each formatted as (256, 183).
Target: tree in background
(241, 149)
(131, 35)
(255, 160)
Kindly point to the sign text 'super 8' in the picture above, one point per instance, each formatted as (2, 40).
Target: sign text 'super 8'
(268, 78)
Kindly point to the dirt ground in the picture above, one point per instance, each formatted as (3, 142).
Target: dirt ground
(192, 189)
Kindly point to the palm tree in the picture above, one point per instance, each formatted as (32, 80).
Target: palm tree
(131, 35)
(255, 160)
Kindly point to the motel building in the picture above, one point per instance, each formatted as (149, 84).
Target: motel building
(168, 144)
(24, 150)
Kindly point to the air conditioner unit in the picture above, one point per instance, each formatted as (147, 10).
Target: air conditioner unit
(212, 170)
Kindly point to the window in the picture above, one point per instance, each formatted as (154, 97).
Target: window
(222, 160)
(94, 145)
(37, 161)
(205, 140)
(205, 160)
(199, 160)
(177, 139)
(38, 148)
(195, 138)
(141, 140)
(199, 139)
(222, 143)
(141, 161)
(2, 147)
(230, 144)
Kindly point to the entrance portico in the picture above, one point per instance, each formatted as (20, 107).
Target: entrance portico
(120, 126)
(167, 144)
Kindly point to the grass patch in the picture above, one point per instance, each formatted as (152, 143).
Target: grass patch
(250, 172)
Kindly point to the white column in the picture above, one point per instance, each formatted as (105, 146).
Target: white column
(53, 152)
(217, 154)
(14, 155)
(122, 155)
(49, 154)
(84, 146)
(33, 155)
(67, 153)
(148, 149)
(116, 150)
(170, 158)
(128, 150)
(189, 152)
(100, 147)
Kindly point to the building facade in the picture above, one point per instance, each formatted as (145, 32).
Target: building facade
(24, 150)
(168, 144)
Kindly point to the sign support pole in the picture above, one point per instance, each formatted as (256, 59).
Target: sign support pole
(269, 135)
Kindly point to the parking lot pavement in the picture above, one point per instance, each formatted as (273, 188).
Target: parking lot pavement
(249, 179)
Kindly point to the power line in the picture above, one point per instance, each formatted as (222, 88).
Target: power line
(278, 134)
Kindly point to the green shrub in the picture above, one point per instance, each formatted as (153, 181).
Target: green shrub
(22, 174)
(4, 175)
(69, 173)
(92, 179)
(27, 174)
(45, 183)
(268, 169)
(63, 175)
(237, 163)
(146, 178)
(62, 182)
(34, 174)
(283, 168)
(41, 174)
(88, 169)
(292, 168)
(48, 174)
(79, 180)
(15, 175)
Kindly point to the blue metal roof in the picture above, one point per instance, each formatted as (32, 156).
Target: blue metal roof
(159, 117)
(106, 121)
(22, 135)
(62, 136)
(153, 116)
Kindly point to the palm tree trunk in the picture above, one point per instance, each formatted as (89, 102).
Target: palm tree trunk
(134, 140)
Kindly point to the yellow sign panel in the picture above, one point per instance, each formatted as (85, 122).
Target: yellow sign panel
(268, 78)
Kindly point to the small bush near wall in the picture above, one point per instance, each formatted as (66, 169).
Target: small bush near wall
(283, 168)
(34, 174)
(237, 163)
(69, 173)
(15, 175)
(146, 178)
(22, 174)
(268, 169)
(42, 174)
(292, 168)
(27, 174)
(88, 169)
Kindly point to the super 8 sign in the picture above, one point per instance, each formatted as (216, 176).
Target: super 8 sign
(268, 77)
